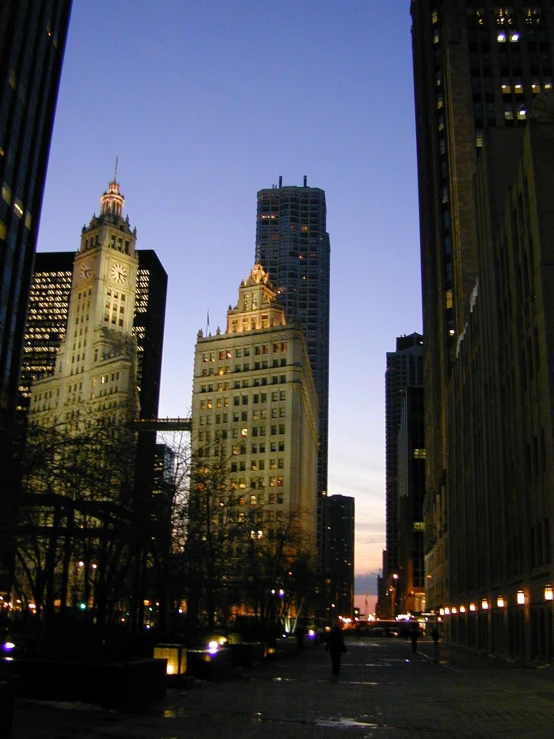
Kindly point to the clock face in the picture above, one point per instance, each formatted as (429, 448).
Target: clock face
(119, 273)
(85, 271)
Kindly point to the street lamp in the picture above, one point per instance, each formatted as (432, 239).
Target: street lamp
(393, 595)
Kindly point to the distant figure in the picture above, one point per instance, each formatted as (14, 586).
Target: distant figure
(335, 645)
(435, 636)
(414, 633)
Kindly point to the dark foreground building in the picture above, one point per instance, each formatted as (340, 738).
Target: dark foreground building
(483, 73)
(32, 44)
(293, 246)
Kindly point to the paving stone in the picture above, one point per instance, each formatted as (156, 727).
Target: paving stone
(384, 690)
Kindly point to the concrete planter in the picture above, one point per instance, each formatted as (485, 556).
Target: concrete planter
(120, 685)
(247, 654)
(206, 665)
(7, 699)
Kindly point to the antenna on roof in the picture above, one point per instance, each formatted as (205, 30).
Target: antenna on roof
(115, 172)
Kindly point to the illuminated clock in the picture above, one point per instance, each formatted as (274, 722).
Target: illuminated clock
(119, 273)
(85, 271)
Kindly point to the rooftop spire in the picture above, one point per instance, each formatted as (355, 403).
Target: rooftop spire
(112, 201)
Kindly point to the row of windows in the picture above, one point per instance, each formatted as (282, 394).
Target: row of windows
(245, 367)
(257, 382)
(208, 403)
(259, 464)
(245, 351)
(259, 482)
(257, 415)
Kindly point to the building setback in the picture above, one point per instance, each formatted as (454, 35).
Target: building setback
(32, 44)
(254, 403)
(481, 69)
(292, 245)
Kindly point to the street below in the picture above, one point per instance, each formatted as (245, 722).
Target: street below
(384, 690)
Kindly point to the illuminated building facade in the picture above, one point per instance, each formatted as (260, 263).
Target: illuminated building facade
(32, 44)
(254, 403)
(340, 554)
(48, 314)
(481, 71)
(95, 367)
(292, 244)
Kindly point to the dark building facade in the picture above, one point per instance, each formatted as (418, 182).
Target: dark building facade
(404, 369)
(292, 244)
(340, 553)
(409, 586)
(481, 73)
(32, 43)
(47, 323)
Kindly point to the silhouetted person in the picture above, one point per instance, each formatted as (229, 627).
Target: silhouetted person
(414, 633)
(335, 645)
(435, 636)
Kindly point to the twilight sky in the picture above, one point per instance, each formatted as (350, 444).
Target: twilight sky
(205, 102)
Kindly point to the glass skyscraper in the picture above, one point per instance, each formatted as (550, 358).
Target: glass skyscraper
(293, 246)
(32, 44)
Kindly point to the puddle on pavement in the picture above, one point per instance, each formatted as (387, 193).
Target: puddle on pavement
(174, 713)
(346, 723)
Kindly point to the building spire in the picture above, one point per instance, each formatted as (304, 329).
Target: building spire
(112, 201)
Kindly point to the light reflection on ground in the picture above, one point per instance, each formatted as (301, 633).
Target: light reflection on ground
(346, 723)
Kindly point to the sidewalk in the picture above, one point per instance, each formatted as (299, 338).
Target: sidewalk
(384, 691)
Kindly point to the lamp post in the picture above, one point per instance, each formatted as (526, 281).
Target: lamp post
(394, 581)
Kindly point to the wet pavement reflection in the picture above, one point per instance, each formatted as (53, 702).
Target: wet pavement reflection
(384, 689)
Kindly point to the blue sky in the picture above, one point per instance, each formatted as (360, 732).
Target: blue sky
(205, 102)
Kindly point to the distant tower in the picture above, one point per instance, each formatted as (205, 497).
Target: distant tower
(404, 369)
(293, 246)
(340, 553)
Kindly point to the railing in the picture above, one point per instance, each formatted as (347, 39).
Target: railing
(161, 424)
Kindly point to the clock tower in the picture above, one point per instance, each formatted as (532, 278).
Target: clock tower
(97, 358)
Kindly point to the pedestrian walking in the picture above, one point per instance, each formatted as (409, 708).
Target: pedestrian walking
(336, 646)
(435, 636)
(414, 633)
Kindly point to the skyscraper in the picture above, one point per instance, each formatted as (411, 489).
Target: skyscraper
(293, 246)
(481, 72)
(404, 369)
(340, 553)
(254, 402)
(48, 313)
(409, 586)
(96, 366)
(32, 44)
